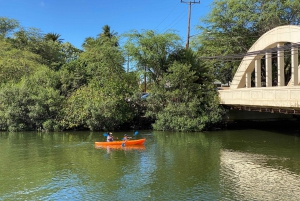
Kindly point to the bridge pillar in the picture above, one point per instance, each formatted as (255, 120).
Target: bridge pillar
(294, 62)
(257, 73)
(268, 69)
(248, 79)
(280, 64)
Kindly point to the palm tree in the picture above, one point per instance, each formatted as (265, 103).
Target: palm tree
(53, 37)
(108, 34)
(105, 36)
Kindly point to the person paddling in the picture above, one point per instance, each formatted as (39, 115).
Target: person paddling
(110, 137)
(125, 138)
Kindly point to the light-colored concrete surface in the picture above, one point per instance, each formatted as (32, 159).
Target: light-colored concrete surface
(279, 97)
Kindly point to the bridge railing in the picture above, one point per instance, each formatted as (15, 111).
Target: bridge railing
(281, 41)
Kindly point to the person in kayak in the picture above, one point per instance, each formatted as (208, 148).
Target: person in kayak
(125, 138)
(110, 137)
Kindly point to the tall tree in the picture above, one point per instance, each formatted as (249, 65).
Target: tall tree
(33, 40)
(7, 26)
(150, 51)
(100, 102)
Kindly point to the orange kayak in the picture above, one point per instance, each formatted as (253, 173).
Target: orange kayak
(128, 143)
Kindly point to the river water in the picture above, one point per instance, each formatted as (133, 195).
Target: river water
(220, 165)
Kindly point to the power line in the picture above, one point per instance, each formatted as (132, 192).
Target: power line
(189, 20)
(176, 21)
(167, 16)
(235, 57)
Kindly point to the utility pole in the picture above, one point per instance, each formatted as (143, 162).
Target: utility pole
(145, 81)
(127, 63)
(189, 20)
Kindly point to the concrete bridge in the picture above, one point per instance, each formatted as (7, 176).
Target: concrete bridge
(249, 92)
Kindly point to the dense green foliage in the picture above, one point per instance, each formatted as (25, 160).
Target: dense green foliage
(32, 103)
(183, 96)
(47, 84)
(101, 102)
(185, 99)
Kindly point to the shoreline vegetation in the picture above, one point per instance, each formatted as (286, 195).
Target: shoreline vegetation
(48, 84)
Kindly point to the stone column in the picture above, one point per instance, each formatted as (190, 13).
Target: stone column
(258, 73)
(268, 69)
(294, 62)
(280, 62)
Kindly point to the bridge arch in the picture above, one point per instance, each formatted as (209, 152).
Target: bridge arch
(273, 38)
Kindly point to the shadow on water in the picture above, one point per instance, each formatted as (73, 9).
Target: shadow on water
(284, 127)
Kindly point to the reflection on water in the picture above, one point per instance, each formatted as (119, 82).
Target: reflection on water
(249, 177)
(223, 165)
(110, 148)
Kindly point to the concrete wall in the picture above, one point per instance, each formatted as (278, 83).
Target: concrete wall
(279, 97)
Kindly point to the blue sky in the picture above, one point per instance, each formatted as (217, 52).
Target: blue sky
(76, 20)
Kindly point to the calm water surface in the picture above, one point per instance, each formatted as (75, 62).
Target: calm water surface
(222, 165)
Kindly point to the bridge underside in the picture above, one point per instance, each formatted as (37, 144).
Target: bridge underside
(240, 115)
(295, 111)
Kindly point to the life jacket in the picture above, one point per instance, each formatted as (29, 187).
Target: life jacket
(110, 139)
